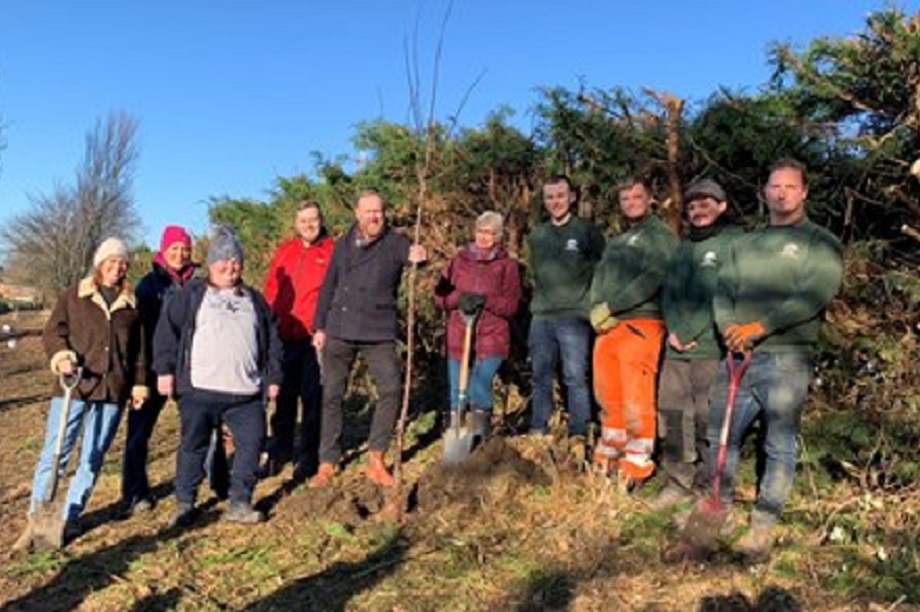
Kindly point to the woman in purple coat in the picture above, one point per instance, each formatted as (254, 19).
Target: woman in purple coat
(481, 281)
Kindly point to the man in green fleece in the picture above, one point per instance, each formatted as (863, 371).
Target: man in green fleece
(772, 292)
(563, 251)
(626, 316)
(693, 347)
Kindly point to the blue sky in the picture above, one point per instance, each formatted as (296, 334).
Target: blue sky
(231, 94)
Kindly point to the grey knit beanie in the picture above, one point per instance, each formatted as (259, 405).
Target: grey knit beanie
(224, 245)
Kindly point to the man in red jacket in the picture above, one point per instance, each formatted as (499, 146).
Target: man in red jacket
(292, 287)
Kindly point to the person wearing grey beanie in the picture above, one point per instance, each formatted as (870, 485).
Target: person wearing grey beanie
(224, 246)
(216, 347)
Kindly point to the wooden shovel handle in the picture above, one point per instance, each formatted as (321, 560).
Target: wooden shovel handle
(465, 360)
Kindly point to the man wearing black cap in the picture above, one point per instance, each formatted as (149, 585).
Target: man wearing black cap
(693, 348)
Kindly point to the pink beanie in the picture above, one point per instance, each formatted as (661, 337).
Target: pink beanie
(173, 234)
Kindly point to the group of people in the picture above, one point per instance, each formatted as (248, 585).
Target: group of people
(611, 312)
(667, 317)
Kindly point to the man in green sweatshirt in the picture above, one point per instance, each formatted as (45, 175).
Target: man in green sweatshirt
(625, 313)
(563, 251)
(693, 346)
(772, 292)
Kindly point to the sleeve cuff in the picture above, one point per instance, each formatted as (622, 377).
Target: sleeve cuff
(61, 356)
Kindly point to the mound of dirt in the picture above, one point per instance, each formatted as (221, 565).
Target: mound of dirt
(350, 503)
(494, 473)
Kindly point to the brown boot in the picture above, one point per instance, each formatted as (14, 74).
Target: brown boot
(324, 474)
(24, 542)
(377, 470)
(757, 544)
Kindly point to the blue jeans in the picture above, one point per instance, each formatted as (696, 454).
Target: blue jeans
(99, 422)
(775, 384)
(479, 388)
(570, 340)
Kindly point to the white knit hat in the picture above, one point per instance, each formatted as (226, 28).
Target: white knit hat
(110, 247)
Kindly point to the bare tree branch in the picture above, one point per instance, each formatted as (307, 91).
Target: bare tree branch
(52, 243)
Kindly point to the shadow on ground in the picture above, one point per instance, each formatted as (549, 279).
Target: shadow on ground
(332, 589)
(85, 574)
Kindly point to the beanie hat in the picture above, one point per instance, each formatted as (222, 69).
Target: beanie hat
(110, 247)
(705, 188)
(173, 234)
(224, 245)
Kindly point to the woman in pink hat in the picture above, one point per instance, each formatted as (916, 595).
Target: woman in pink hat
(172, 267)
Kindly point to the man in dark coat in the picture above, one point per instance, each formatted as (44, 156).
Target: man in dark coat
(356, 313)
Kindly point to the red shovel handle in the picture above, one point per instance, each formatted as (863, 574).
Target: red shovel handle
(735, 374)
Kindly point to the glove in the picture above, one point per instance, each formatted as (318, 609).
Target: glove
(741, 337)
(471, 303)
(601, 318)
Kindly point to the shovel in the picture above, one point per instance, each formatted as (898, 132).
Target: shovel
(458, 440)
(709, 514)
(48, 523)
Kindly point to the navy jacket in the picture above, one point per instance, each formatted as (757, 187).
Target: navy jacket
(172, 341)
(358, 298)
(152, 292)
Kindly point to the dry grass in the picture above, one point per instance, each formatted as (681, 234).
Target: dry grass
(569, 543)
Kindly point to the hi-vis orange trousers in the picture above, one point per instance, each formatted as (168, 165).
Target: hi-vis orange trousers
(625, 374)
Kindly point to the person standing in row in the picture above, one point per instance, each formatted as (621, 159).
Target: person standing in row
(95, 333)
(216, 346)
(693, 344)
(772, 291)
(356, 314)
(563, 252)
(626, 315)
(480, 281)
(292, 287)
(171, 268)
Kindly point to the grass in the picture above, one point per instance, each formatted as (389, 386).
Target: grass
(36, 563)
(570, 544)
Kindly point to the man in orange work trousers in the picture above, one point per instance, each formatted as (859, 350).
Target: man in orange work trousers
(627, 319)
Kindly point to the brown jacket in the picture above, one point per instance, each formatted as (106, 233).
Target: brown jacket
(106, 341)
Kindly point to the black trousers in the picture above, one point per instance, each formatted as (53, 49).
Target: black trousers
(201, 413)
(134, 483)
(301, 382)
(338, 357)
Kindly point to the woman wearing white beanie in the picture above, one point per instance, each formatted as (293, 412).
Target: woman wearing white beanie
(94, 332)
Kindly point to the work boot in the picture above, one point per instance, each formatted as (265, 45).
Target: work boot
(670, 496)
(377, 470)
(481, 425)
(757, 544)
(604, 465)
(243, 513)
(181, 514)
(134, 507)
(578, 451)
(324, 474)
(24, 542)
